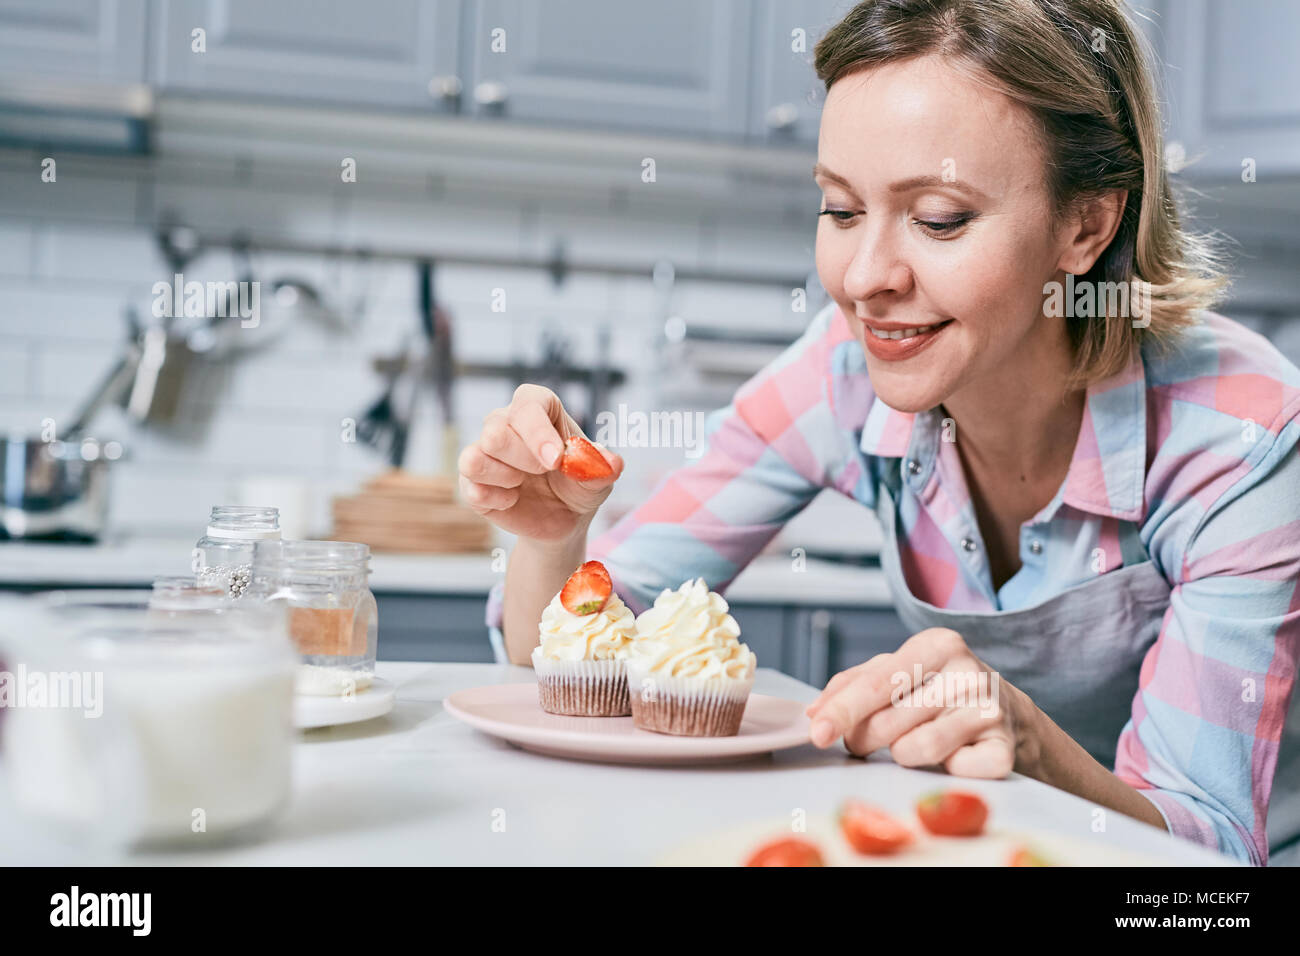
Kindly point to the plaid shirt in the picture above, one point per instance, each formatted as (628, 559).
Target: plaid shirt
(1193, 452)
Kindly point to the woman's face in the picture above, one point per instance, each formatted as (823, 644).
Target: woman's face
(935, 217)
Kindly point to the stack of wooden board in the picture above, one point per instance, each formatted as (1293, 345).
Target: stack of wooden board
(399, 511)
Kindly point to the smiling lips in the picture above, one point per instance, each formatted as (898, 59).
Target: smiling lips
(894, 344)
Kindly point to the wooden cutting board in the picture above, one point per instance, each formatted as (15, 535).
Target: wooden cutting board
(403, 512)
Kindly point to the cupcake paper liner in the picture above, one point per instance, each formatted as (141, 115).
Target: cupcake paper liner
(581, 688)
(687, 706)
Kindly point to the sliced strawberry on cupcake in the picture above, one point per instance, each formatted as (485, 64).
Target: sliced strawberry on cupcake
(584, 636)
(587, 589)
(582, 461)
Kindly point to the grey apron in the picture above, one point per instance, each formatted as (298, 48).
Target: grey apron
(1078, 655)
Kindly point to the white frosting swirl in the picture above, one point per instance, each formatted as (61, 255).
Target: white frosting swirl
(604, 635)
(689, 633)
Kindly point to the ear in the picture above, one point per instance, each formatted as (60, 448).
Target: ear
(1090, 230)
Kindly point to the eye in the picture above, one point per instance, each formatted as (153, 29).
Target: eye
(944, 227)
(841, 217)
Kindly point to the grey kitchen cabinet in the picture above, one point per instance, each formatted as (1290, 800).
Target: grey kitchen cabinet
(808, 643)
(99, 41)
(432, 627)
(821, 642)
(1233, 81)
(401, 54)
(673, 66)
(763, 628)
(786, 99)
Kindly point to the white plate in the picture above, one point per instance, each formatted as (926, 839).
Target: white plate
(511, 711)
(375, 701)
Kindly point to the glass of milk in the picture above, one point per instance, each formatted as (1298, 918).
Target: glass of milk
(133, 722)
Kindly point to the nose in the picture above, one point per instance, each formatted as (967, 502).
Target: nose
(877, 267)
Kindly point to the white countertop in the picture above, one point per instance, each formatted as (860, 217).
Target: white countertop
(136, 562)
(417, 787)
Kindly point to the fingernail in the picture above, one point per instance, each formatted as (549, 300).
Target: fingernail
(823, 732)
(550, 454)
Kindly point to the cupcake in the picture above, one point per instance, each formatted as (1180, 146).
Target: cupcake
(584, 635)
(688, 673)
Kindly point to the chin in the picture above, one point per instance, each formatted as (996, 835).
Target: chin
(906, 397)
(904, 391)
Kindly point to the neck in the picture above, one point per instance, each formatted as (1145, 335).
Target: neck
(998, 429)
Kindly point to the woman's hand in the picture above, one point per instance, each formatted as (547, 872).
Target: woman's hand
(510, 474)
(959, 713)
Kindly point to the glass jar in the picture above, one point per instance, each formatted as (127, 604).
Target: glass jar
(333, 618)
(154, 727)
(185, 593)
(224, 555)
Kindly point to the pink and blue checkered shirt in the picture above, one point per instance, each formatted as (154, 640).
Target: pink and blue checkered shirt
(1197, 448)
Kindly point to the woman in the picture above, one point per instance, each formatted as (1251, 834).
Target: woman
(1101, 506)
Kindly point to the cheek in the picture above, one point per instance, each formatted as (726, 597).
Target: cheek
(987, 290)
(834, 252)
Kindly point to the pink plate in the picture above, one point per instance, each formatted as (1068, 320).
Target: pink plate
(511, 711)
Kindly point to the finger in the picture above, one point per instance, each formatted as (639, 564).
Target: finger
(992, 757)
(932, 741)
(537, 416)
(856, 700)
(500, 441)
(833, 685)
(485, 498)
(481, 468)
(957, 685)
(882, 679)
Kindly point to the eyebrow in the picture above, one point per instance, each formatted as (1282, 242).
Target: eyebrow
(905, 185)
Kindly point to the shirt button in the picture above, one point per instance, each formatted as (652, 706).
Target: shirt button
(1036, 547)
(968, 544)
(913, 466)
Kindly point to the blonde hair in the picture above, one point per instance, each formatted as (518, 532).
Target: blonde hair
(1085, 73)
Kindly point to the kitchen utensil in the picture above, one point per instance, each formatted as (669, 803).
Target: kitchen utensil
(442, 370)
(377, 426)
(112, 386)
(54, 490)
(158, 384)
(419, 377)
(511, 711)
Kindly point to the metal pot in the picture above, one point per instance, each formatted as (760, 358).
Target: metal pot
(54, 490)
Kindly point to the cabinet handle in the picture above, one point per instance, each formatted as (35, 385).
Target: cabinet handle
(491, 93)
(819, 647)
(782, 117)
(446, 88)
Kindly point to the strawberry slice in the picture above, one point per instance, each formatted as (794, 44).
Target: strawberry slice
(587, 589)
(790, 851)
(582, 461)
(1024, 856)
(952, 813)
(871, 831)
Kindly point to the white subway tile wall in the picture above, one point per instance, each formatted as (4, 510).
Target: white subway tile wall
(75, 254)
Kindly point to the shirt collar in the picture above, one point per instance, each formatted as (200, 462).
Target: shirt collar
(1107, 471)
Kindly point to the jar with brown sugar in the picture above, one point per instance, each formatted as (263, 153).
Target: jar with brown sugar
(333, 618)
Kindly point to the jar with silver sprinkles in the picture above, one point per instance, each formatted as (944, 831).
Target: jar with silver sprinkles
(224, 555)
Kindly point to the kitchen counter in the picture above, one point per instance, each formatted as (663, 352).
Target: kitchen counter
(135, 562)
(417, 787)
